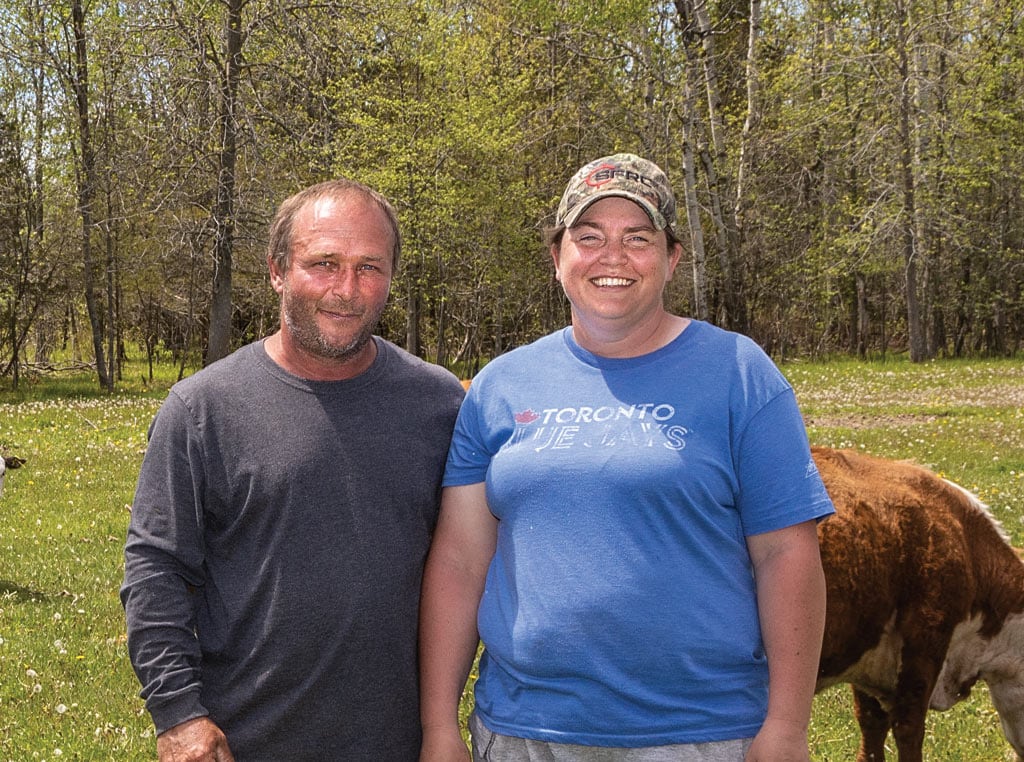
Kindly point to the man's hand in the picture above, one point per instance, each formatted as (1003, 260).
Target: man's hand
(198, 740)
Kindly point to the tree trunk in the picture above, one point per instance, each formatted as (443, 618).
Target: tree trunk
(862, 315)
(412, 313)
(938, 159)
(750, 122)
(87, 188)
(441, 355)
(112, 318)
(910, 246)
(692, 206)
(219, 341)
(699, 45)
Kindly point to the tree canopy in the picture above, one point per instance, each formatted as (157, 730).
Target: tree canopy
(848, 171)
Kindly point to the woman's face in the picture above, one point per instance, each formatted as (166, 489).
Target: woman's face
(613, 266)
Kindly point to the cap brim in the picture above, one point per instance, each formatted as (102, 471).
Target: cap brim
(656, 217)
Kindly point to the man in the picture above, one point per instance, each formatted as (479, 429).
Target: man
(283, 513)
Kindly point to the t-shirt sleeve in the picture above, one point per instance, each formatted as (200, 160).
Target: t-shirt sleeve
(779, 484)
(469, 454)
(163, 567)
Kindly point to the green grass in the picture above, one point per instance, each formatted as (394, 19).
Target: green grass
(66, 688)
(67, 691)
(965, 420)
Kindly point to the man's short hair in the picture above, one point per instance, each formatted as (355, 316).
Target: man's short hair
(279, 246)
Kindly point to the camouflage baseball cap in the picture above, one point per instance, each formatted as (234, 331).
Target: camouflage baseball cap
(624, 175)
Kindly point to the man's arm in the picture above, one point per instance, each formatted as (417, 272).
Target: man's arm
(453, 582)
(791, 603)
(163, 570)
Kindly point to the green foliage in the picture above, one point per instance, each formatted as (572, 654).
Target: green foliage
(470, 116)
(837, 132)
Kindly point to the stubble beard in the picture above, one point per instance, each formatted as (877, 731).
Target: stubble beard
(307, 335)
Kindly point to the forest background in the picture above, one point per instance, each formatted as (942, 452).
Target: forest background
(848, 171)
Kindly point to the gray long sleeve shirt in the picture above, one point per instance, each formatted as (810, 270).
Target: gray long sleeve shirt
(275, 553)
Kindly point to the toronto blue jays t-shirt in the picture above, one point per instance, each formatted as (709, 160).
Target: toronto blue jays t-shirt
(620, 608)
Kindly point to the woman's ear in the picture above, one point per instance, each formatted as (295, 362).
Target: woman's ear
(556, 249)
(674, 255)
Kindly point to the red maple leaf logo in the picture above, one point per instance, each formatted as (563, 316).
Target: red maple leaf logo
(527, 416)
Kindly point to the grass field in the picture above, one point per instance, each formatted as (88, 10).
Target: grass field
(67, 691)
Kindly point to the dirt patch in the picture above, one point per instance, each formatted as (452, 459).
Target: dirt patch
(870, 421)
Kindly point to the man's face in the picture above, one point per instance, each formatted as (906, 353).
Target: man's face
(337, 283)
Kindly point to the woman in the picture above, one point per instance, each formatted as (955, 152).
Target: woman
(629, 516)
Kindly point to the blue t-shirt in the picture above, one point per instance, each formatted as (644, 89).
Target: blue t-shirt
(620, 608)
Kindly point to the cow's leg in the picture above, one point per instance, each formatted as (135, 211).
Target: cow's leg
(914, 687)
(908, 730)
(874, 727)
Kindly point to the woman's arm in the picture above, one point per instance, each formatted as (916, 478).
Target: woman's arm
(453, 582)
(791, 603)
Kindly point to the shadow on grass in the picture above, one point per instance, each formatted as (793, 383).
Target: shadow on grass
(19, 593)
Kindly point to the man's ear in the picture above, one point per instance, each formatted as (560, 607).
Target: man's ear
(276, 276)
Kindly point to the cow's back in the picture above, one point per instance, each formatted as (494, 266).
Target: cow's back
(925, 598)
(896, 565)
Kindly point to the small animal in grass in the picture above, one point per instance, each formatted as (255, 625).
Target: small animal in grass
(8, 461)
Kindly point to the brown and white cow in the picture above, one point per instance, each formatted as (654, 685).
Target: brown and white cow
(925, 598)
